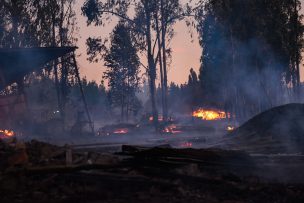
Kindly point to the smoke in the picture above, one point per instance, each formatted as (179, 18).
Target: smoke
(245, 75)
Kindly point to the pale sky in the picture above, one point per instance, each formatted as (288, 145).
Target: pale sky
(186, 54)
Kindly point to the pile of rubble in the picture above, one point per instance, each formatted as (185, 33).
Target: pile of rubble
(48, 173)
(278, 130)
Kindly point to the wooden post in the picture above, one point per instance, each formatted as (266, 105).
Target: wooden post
(68, 156)
(82, 93)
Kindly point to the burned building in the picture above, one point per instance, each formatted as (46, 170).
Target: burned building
(15, 64)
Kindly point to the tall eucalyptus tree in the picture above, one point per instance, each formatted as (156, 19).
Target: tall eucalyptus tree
(151, 22)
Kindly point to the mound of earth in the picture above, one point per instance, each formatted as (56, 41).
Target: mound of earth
(278, 130)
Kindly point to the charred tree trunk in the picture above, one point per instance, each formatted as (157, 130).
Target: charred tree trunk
(127, 109)
(64, 68)
(233, 72)
(164, 28)
(55, 66)
(127, 98)
(151, 64)
(160, 66)
(152, 76)
(122, 117)
(297, 57)
(15, 32)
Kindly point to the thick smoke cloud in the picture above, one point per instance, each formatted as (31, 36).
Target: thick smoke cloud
(248, 61)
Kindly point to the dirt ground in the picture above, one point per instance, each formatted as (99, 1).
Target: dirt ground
(141, 174)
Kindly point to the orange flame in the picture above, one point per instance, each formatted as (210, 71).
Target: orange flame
(121, 131)
(7, 133)
(172, 129)
(210, 115)
(160, 118)
(230, 128)
(186, 145)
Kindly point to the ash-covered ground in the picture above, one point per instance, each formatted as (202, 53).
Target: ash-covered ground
(180, 164)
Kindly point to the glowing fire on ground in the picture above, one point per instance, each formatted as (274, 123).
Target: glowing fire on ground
(230, 128)
(6, 133)
(186, 145)
(210, 115)
(160, 119)
(121, 131)
(172, 129)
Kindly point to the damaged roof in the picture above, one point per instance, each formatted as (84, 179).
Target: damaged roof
(15, 63)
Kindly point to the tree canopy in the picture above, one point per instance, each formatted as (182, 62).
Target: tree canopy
(122, 72)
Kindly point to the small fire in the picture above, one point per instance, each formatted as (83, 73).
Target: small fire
(210, 115)
(172, 129)
(230, 128)
(160, 118)
(6, 133)
(186, 145)
(121, 131)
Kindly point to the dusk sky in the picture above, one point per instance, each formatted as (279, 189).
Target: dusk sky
(186, 51)
(186, 54)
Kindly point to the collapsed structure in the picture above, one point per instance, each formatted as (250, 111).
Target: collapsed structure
(15, 64)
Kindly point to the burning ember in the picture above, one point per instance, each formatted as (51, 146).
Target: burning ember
(186, 145)
(172, 129)
(160, 119)
(121, 131)
(6, 133)
(117, 129)
(210, 115)
(230, 128)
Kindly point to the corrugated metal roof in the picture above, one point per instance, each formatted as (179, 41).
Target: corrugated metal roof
(15, 63)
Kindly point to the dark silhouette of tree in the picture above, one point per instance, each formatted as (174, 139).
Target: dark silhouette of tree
(98, 12)
(122, 72)
(18, 30)
(166, 14)
(151, 25)
(194, 90)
